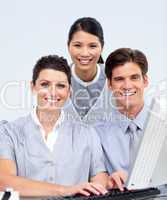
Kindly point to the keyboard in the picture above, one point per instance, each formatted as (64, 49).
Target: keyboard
(116, 194)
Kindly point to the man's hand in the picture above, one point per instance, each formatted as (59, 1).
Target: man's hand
(86, 189)
(117, 179)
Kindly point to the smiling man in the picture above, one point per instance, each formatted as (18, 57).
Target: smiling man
(126, 71)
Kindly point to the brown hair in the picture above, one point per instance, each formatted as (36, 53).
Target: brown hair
(51, 62)
(122, 56)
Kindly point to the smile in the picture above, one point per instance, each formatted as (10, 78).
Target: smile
(85, 61)
(50, 100)
(127, 93)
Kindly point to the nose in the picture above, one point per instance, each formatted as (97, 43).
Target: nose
(53, 90)
(127, 84)
(84, 51)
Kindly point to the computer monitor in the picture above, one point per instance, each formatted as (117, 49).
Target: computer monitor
(150, 167)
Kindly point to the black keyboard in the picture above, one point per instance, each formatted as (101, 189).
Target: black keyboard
(116, 194)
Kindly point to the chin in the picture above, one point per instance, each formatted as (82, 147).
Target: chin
(50, 108)
(84, 67)
(124, 105)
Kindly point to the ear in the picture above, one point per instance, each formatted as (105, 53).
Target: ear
(70, 92)
(146, 80)
(109, 83)
(102, 49)
(68, 48)
(32, 87)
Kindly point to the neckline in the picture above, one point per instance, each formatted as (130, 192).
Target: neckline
(84, 83)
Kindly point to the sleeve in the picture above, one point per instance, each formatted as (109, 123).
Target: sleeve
(97, 156)
(6, 144)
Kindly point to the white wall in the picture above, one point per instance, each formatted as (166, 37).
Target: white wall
(30, 29)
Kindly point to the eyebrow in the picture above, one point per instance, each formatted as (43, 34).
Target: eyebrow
(118, 77)
(128, 76)
(76, 41)
(44, 80)
(136, 75)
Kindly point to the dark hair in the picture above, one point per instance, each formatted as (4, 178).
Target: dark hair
(51, 62)
(122, 56)
(89, 25)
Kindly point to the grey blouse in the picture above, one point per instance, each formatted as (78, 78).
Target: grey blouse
(76, 157)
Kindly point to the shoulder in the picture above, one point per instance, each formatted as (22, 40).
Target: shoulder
(105, 127)
(101, 126)
(81, 130)
(15, 127)
(19, 122)
(79, 125)
(102, 66)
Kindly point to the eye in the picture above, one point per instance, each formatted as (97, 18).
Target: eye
(135, 77)
(44, 84)
(119, 78)
(61, 86)
(77, 45)
(93, 46)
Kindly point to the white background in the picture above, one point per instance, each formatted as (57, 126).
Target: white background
(33, 28)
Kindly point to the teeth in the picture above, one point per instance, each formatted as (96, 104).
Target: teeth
(84, 61)
(52, 100)
(128, 93)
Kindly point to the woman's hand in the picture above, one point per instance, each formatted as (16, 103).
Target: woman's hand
(117, 179)
(86, 189)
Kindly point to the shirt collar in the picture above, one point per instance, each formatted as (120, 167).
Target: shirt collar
(37, 122)
(85, 84)
(124, 121)
(141, 118)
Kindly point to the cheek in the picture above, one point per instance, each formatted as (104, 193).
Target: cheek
(97, 53)
(141, 87)
(116, 88)
(42, 92)
(64, 94)
(72, 53)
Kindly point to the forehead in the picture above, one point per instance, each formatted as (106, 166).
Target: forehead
(82, 36)
(52, 75)
(126, 69)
